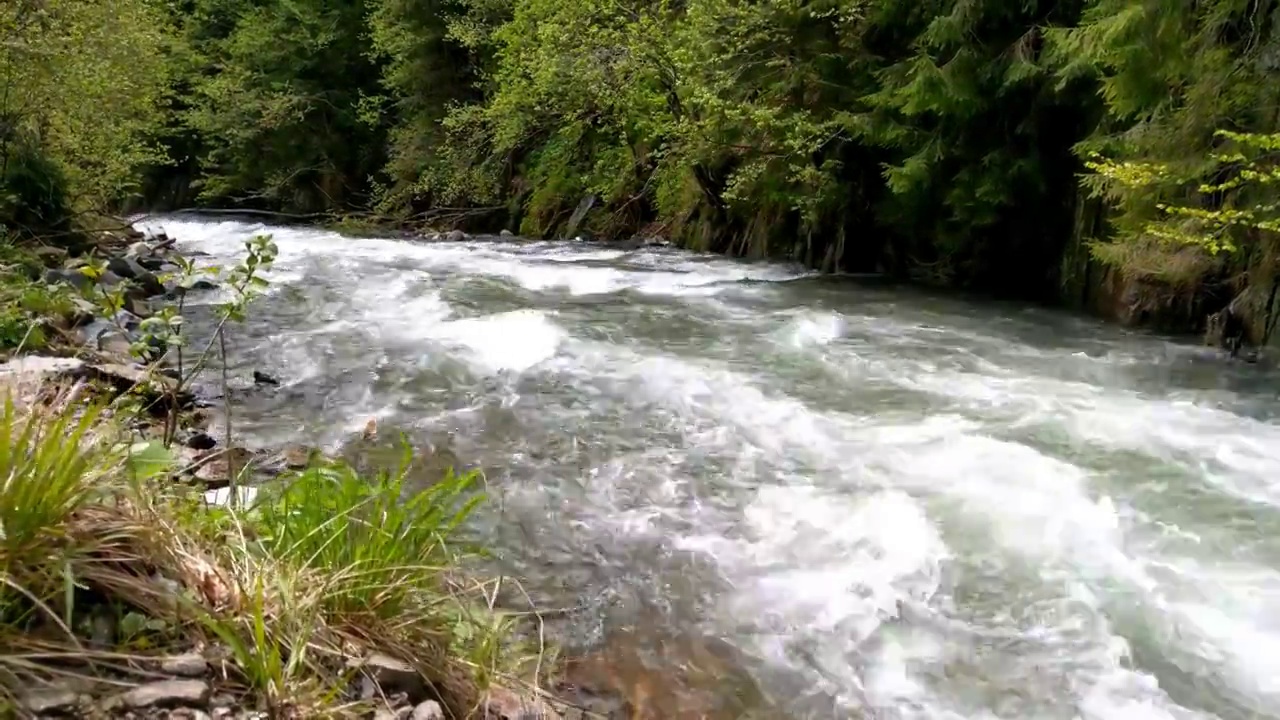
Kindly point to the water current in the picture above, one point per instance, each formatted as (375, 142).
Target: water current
(866, 501)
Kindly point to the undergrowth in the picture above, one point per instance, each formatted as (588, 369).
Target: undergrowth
(294, 588)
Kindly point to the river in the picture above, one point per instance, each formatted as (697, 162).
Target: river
(867, 502)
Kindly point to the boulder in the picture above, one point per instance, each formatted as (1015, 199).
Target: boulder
(456, 236)
(506, 234)
(131, 269)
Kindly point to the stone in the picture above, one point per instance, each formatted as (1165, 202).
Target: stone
(50, 700)
(185, 665)
(156, 264)
(261, 378)
(200, 441)
(385, 675)
(74, 278)
(506, 234)
(187, 713)
(429, 710)
(386, 713)
(140, 249)
(167, 693)
(456, 236)
(130, 269)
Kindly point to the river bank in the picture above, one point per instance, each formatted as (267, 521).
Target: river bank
(157, 567)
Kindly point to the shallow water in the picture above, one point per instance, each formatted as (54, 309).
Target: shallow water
(872, 502)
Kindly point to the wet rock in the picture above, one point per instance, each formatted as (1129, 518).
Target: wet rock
(178, 290)
(185, 665)
(200, 440)
(429, 710)
(50, 701)
(167, 693)
(506, 234)
(130, 269)
(261, 378)
(383, 675)
(156, 264)
(187, 713)
(456, 236)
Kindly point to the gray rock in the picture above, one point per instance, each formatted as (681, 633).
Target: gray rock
(185, 665)
(167, 693)
(429, 710)
(384, 675)
(156, 264)
(188, 714)
(74, 278)
(456, 236)
(50, 700)
(131, 269)
(506, 234)
(140, 249)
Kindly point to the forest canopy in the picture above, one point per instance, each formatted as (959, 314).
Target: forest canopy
(981, 144)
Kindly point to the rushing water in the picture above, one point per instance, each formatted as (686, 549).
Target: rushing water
(873, 502)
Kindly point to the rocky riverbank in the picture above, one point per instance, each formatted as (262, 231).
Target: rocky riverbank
(144, 596)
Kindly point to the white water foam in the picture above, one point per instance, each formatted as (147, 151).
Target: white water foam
(516, 340)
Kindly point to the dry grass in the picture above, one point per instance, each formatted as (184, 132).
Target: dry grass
(320, 571)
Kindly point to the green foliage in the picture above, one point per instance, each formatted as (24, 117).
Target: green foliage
(1186, 152)
(49, 469)
(29, 307)
(381, 545)
(276, 92)
(84, 81)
